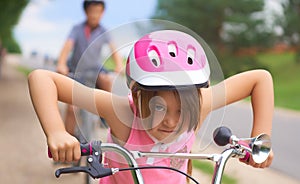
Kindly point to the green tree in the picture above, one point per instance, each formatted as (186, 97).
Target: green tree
(9, 16)
(226, 26)
(234, 23)
(291, 25)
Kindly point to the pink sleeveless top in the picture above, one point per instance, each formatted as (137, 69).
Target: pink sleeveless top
(140, 140)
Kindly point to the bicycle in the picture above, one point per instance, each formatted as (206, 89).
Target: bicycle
(258, 147)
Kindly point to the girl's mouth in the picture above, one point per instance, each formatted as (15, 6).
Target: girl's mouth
(167, 131)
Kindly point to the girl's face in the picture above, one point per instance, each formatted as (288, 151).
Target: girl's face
(166, 117)
(94, 13)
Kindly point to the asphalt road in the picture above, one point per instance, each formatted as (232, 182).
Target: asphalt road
(24, 159)
(285, 136)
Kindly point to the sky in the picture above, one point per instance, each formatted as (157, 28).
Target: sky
(45, 24)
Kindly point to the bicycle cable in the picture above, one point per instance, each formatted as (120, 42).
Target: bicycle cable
(159, 167)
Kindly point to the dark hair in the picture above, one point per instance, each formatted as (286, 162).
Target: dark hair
(87, 3)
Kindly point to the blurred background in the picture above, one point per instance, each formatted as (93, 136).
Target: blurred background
(242, 34)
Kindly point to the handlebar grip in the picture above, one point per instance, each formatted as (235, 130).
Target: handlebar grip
(49, 153)
(86, 150)
(222, 136)
(247, 156)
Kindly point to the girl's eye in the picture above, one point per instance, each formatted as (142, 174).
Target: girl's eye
(159, 108)
(154, 58)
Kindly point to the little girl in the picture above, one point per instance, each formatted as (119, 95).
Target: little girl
(168, 75)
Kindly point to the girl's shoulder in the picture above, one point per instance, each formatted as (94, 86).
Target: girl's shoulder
(118, 114)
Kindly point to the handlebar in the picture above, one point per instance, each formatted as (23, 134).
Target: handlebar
(95, 169)
(259, 147)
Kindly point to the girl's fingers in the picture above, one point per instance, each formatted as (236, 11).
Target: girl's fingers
(54, 154)
(66, 154)
(62, 155)
(64, 147)
(265, 164)
(252, 163)
(69, 155)
(268, 162)
(270, 158)
(76, 152)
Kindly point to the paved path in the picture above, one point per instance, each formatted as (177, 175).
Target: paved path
(23, 153)
(23, 149)
(285, 135)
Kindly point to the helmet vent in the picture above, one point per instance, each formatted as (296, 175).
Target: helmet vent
(172, 48)
(154, 57)
(190, 55)
(154, 61)
(190, 61)
(172, 54)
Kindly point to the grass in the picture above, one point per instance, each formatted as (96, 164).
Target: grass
(207, 168)
(23, 70)
(286, 76)
(110, 65)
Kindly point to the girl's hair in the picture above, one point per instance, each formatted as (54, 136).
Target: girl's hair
(189, 98)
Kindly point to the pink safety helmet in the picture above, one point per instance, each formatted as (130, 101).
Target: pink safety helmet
(167, 59)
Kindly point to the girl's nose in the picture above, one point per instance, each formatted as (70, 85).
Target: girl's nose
(170, 121)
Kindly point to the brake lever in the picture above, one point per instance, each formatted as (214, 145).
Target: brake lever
(60, 171)
(94, 166)
(95, 169)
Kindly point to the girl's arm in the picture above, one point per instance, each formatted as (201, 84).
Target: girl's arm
(257, 84)
(62, 67)
(43, 87)
(46, 89)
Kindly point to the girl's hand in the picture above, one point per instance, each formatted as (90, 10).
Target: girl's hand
(64, 147)
(265, 164)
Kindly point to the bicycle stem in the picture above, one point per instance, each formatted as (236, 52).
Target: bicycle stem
(220, 164)
(136, 174)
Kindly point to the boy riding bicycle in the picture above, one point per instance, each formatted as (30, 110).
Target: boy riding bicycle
(80, 38)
